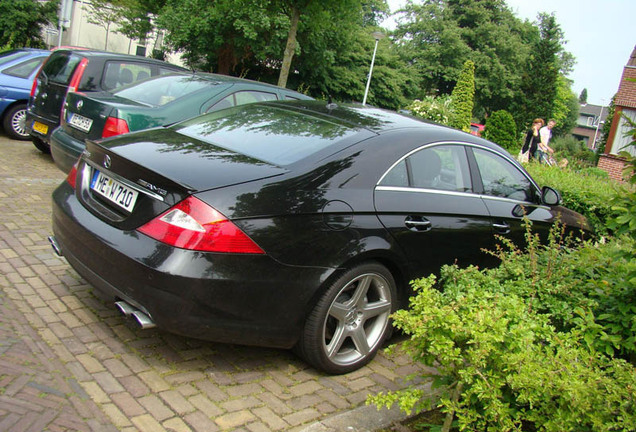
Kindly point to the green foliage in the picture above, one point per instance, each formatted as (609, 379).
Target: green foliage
(575, 151)
(500, 128)
(607, 125)
(565, 109)
(589, 196)
(462, 97)
(543, 68)
(22, 22)
(437, 109)
(438, 37)
(532, 344)
(583, 96)
(625, 205)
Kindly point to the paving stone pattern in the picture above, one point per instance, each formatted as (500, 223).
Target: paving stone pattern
(70, 362)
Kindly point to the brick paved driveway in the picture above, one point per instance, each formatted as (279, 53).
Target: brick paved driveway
(70, 362)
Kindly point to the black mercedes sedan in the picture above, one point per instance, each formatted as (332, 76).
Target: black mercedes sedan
(289, 224)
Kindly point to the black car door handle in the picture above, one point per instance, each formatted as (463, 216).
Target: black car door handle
(501, 227)
(418, 223)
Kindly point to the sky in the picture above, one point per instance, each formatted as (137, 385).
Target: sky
(601, 34)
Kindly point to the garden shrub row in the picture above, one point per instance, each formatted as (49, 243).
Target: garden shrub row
(588, 194)
(543, 342)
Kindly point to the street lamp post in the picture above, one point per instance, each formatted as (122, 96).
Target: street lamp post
(377, 36)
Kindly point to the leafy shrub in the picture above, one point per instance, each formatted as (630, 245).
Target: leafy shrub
(594, 172)
(575, 151)
(501, 129)
(625, 205)
(437, 109)
(525, 346)
(589, 196)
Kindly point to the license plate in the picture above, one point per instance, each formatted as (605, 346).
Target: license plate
(80, 122)
(40, 128)
(114, 191)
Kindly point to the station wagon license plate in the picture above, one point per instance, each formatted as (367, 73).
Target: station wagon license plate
(114, 191)
(40, 128)
(80, 122)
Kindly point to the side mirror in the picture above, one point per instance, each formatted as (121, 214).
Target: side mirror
(550, 196)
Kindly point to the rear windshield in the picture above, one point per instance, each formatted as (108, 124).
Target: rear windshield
(60, 67)
(165, 89)
(277, 136)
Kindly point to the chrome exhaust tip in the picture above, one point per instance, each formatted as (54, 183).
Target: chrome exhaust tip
(125, 308)
(55, 246)
(143, 320)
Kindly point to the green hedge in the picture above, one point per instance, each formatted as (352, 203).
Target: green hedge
(582, 192)
(538, 344)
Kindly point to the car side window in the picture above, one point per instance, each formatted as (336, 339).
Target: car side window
(443, 167)
(118, 74)
(242, 98)
(251, 96)
(501, 178)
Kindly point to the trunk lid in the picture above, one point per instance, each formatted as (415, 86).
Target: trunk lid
(85, 116)
(159, 167)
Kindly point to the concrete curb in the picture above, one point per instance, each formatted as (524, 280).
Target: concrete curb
(366, 418)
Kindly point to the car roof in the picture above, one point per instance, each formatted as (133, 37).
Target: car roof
(218, 79)
(110, 55)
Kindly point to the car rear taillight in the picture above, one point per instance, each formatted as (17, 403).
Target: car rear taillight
(77, 76)
(34, 86)
(194, 225)
(72, 175)
(114, 126)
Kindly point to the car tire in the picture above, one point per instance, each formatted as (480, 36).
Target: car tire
(350, 321)
(40, 145)
(14, 122)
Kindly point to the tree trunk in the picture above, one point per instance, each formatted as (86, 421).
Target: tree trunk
(290, 49)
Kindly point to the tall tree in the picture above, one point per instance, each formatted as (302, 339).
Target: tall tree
(544, 66)
(225, 35)
(583, 96)
(22, 22)
(437, 36)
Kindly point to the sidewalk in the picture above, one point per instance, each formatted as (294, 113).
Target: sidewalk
(69, 362)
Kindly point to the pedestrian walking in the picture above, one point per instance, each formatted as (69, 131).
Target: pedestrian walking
(531, 143)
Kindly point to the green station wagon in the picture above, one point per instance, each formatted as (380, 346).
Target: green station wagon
(158, 101)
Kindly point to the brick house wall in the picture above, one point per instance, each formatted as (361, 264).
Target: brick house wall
(613, 165)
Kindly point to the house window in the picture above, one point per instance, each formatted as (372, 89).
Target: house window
(590, 121)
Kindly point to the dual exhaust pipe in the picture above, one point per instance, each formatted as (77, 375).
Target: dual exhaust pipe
(144, 321)
(142, 318)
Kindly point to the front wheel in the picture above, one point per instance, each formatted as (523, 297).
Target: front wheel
(350, 321)
(14, 122)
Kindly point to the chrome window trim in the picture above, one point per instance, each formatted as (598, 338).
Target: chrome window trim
(425, 190)
(465, 144)
(513, 201)
(87, 175)
(456, 193)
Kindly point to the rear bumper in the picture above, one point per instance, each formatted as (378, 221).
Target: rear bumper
(65, 149)
(246, 299)
(31, 120)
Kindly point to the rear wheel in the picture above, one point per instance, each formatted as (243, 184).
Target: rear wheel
(350, 321)
(40, 145)
(14, 122)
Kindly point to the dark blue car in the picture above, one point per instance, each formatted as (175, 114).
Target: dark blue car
(17, 70)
